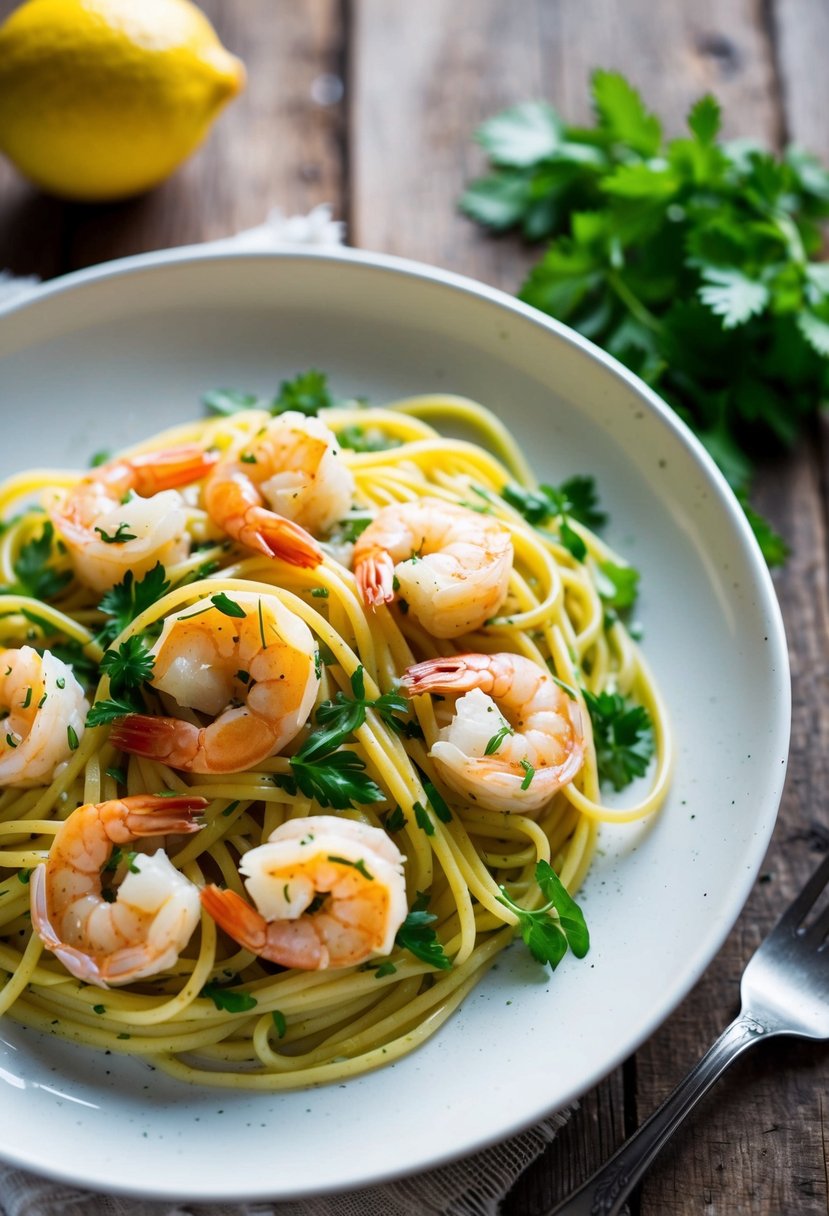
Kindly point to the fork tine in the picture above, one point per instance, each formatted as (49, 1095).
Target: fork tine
(799, 907)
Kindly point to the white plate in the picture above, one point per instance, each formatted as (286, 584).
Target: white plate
(111, 354)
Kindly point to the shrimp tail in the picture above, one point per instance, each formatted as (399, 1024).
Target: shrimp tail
(375, 578)
(276, 536)
(155, 815)
(238, 919)
(151, 472)
(291, 943)
(170, 740)
(454, 673)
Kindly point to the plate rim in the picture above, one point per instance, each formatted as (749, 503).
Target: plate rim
(123, 268)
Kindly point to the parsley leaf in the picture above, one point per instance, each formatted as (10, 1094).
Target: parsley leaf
(104, 712)
(307, 393)
(227, 606)
(623, 736)
(415, 936)
(335, 779)
(360, 439)
(619, 586)
(547, 932)
(34, 568)
(574, 499)
(128, 599)
(128, 666)
(342, 716)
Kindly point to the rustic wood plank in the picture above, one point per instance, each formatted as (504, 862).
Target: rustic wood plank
(412, 116)
(280, 144)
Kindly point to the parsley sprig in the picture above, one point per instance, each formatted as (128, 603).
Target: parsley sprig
(307, 393)
(693, 261)
(129, 598)
(623, 737)
(342, 716)
(548, 931)
(128, 667)
(333, 777)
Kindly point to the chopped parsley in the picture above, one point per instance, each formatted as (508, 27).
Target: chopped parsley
(228, 606)
(360, 439)
(497, 739)
(229, 999)
(395, 821)
(419, 939)
(34, 569)
(359, 866)
(529, 773)
(119, 537)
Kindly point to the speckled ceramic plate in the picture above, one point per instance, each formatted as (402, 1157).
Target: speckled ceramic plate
(111, 354)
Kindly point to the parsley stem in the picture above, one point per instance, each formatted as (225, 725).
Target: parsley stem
(632, 302)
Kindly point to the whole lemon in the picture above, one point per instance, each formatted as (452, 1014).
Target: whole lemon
(101, 99)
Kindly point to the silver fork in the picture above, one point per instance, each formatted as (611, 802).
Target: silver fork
(784, 990)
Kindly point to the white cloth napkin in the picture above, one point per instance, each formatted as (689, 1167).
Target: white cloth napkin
(473, 1186)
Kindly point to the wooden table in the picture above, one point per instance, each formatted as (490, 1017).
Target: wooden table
(370, 105)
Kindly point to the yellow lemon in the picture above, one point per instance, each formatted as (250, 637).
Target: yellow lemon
(101, 99)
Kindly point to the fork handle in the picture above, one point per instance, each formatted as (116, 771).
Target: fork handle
(605, 1193)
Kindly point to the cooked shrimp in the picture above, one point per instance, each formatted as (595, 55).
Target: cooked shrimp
(451, 565)
(330, 892)
(151, 919)
(126, 514)
(541, 745)
(254, 674)
(45, 711)
(289, 481)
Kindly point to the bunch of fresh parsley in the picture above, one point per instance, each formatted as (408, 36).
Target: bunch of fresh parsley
(693, 261)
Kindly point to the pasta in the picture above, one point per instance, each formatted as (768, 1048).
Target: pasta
(219, 1014)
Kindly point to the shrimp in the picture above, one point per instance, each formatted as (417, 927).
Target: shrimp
(253, 672)
(288, 482)
(45, 712)
(541, 743)
(144, 929)
(451, 565)
(126, 515)
(330, 892)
